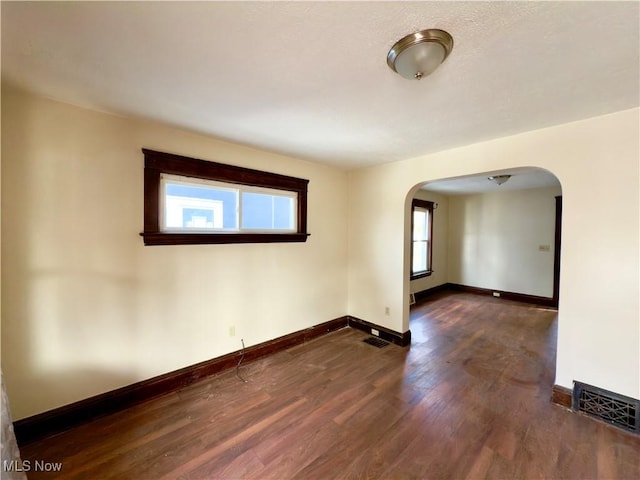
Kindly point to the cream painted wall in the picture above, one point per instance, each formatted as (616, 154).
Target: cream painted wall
(439, 254)
(87, 308)
(599, 317)
(494, 240)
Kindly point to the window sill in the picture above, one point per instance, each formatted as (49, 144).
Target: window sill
(421, 275)
(220, 238)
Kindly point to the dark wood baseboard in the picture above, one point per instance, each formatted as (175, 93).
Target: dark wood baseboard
(518, 297)
(424, 294)
(55, 421)
(402, 339)
(562, 396)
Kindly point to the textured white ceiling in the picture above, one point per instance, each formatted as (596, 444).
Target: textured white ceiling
(310, 79)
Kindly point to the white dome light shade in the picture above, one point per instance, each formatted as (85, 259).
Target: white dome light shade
(499, 179)
(419, 60)
(419, 54)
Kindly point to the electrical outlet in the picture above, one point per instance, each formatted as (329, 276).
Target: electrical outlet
(375, 332)
(496, 294)
(232, 331)
(544, 248)
(387, 311)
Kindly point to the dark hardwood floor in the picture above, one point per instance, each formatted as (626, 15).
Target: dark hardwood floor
(468, 399)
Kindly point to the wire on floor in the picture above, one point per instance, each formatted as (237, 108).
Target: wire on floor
(239, 362)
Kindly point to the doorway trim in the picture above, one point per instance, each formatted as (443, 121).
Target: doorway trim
(556, 252)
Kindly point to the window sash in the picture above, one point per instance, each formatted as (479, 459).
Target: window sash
(240, 219)
(421, 238)
(274, 216)
(420, 256)
(420, 224)
(165, 208)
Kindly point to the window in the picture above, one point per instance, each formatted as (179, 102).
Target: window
(190, 201)
(421, 238)
(193, 205)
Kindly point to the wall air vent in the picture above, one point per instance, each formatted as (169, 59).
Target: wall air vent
(376, 342)
(613, 408)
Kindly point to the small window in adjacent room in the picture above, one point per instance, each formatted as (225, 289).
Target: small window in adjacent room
(421, 238)
(190, 201)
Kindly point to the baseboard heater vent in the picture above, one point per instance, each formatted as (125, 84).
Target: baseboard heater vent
(613, 408)
(376, 342)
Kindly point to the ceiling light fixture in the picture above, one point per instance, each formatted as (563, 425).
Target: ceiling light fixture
(499, 179)
(419, 54)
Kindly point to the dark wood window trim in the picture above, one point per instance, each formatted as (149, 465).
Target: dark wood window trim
(428, 206)
(421, 275)
(157, 163)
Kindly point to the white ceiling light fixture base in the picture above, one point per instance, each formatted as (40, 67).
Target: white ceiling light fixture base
(419, 54)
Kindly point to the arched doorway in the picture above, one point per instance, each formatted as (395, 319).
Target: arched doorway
(499, 239)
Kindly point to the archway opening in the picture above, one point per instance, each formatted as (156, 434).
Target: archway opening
(497, 239)
(502, 241)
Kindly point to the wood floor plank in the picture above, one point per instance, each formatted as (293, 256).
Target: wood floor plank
(232, 442)
(469, 398)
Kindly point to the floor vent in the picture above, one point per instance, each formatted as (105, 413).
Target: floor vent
(613, 408)
(376, 342)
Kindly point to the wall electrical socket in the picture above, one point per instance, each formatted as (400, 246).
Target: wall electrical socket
(387, 311)
(544, 248)
(375, 332)
(496, 294)
(232, 331)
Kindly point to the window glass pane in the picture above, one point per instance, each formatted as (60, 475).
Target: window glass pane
(284, 210)
(419, 257)
(257, 210)
(262, 211)
(199, 207)
(419, 224)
